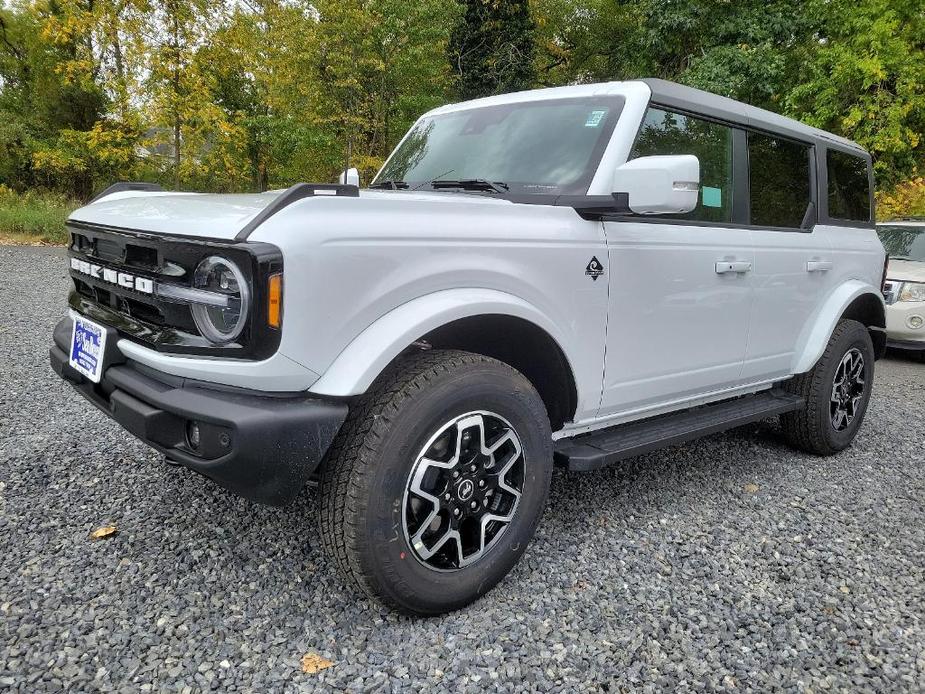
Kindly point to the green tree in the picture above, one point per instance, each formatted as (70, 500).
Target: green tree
(863, 76)
(491, 50)
(41, 101)
(179, 99)
(374, 68)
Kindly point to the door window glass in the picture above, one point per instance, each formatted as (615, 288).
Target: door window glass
(778, 180)
(665, 132)
(849, 187)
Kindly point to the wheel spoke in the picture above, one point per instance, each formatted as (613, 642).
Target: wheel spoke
(427, 552)
(848, 389)
(471, 498)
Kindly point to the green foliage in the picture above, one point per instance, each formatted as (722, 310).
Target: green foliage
(228, 96)
(905, 200)
(864, 77)
(491, 49)
(33, 216)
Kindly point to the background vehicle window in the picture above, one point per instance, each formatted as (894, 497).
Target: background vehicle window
(778, 180)
(903, 242)
(849, 187)
(664, 132)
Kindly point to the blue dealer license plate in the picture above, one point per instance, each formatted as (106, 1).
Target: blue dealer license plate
(88, 347)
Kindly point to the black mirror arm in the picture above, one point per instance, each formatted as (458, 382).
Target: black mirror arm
(596, 206)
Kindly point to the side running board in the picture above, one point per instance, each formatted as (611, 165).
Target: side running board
(601, 448)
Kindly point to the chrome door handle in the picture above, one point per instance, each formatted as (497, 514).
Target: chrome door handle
(818, 265)
(737, 266)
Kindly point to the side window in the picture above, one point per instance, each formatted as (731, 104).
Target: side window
(779, 180)
(664, 132)
(849, 187)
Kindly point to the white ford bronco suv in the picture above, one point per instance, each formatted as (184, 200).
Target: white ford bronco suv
(567, 276)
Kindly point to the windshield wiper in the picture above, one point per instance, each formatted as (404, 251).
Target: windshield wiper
(391, 185)
(471, 184)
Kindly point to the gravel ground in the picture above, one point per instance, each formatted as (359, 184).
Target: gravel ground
(732, 562)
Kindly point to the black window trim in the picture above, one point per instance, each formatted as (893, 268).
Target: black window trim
(741, 189)
(812, 207)
(822, 173)
(736, 221)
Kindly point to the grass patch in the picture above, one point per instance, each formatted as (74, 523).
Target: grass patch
(34, 217)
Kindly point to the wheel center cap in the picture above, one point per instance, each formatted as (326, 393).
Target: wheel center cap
(465, 489)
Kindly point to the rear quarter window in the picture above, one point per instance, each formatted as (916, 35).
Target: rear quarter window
(849, 187)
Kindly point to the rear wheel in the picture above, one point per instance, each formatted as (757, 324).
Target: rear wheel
(836, 390)
(437, 481)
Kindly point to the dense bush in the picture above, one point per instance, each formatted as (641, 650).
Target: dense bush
(34, 216)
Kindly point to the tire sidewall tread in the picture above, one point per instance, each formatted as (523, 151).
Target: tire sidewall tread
(363, 477)
(810, 429)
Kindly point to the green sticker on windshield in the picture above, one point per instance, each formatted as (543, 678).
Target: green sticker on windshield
(712, 197)
(594, 118)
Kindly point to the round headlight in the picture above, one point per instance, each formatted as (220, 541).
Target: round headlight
(221, 323)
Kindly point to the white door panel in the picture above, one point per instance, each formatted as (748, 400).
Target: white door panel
(676, 327)
(787, 292)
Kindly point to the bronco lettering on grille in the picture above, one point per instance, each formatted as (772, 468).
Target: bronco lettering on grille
(106, 274)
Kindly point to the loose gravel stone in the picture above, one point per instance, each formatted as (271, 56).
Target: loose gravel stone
(728, 563)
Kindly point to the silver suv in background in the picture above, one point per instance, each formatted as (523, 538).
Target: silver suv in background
(904, 289)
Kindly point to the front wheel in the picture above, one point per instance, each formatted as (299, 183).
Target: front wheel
(836, 390)
(437, 480)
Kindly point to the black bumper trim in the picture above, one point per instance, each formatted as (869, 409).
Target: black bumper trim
(908, 345)
(263, 448)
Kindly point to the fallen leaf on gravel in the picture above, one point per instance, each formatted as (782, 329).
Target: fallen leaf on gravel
(105, 531)
(312, 663)
(751, 487)
(845, 589)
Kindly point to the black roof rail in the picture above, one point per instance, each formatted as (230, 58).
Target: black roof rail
(291, 195)
(126, 185)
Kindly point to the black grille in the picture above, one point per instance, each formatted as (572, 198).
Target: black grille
(144, 317)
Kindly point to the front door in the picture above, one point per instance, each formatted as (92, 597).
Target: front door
(679, 307)
(680, 289)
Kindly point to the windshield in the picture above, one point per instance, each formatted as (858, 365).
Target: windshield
(903, 242)
(547, 147)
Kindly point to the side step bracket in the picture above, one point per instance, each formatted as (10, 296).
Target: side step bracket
(601, 448)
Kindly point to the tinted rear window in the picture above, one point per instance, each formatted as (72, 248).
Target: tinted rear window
(779, 181)
(849, 187)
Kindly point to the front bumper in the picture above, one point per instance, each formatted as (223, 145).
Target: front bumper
(261, 446)
(901, 319)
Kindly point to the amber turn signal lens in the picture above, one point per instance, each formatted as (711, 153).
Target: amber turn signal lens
(275, 301)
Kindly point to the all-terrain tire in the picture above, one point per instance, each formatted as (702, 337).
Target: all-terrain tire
(365, 477)
(812, 429)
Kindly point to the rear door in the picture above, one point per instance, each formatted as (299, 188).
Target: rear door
(793, 256)
(681, 288)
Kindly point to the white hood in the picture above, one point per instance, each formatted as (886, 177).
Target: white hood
(906, 271)
(178, 214)
(222, 216)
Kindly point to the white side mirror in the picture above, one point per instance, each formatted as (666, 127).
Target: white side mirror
(350, 177)
(660, 184)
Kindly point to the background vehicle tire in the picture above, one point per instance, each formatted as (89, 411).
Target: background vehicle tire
(836, 390)
(406, 470)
